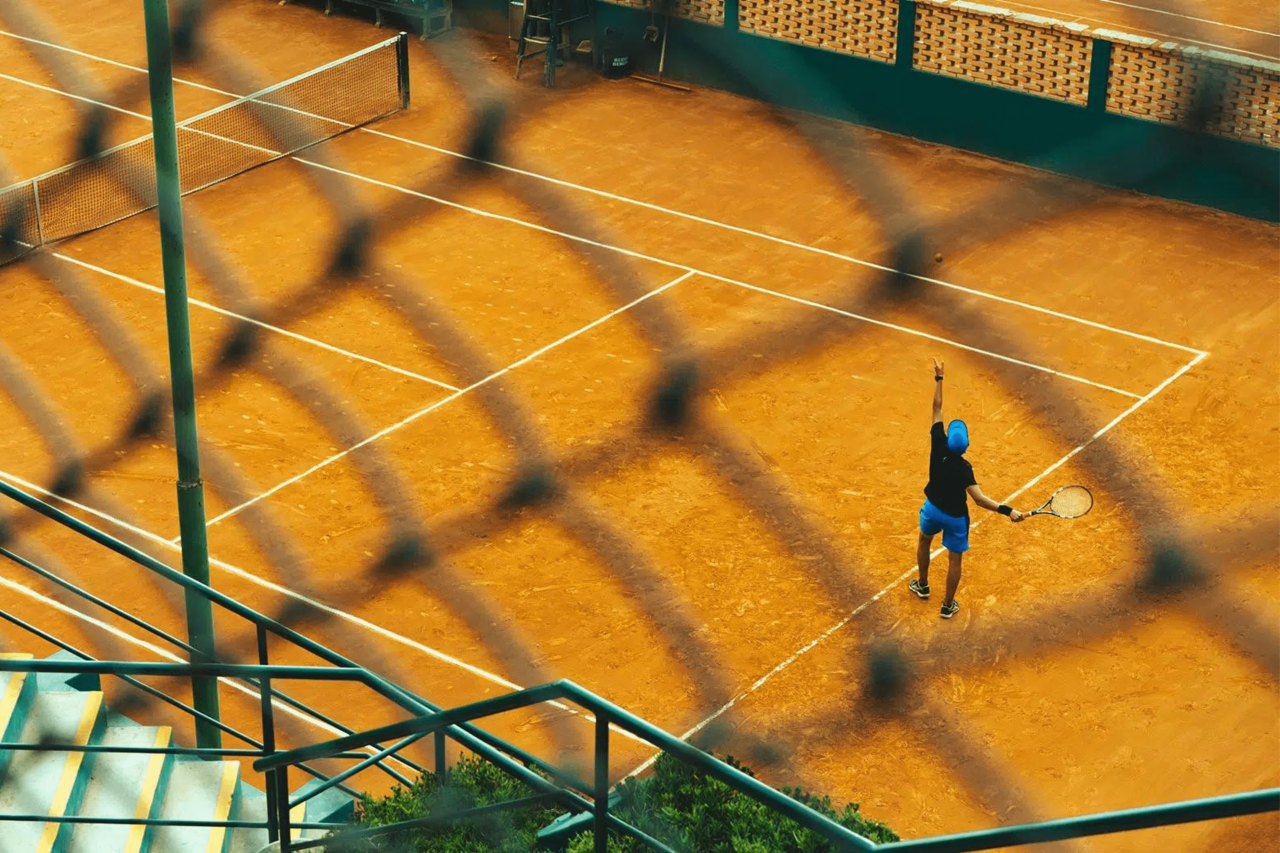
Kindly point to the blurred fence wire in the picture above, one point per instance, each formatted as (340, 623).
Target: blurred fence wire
(1186, 563)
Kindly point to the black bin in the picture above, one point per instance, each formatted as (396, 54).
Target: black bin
(615, 59)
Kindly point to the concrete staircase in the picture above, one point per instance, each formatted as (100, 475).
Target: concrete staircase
(57, 709)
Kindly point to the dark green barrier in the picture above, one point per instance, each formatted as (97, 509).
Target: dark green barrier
(1083, 142)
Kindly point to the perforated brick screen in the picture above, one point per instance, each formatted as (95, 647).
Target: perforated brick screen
(859, 27)
(1159, 82)
(987, 45)
(703, 11)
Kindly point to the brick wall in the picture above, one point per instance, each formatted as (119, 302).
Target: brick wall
(704, 11)
(988, 45)
(860, 27)
(1027, 53)
(1159, 82)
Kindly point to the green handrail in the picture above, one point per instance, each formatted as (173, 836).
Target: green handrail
(483, 743)
(606, 713)
(1230, 805)
(508, 757)
(455, 723)
(93, 599)
(1101, 823)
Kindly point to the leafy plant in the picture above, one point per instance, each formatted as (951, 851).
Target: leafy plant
(678, 805)
(469, 784)
(688, 810)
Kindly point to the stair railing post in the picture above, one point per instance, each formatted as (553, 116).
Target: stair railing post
(601, 791)
(282, 797)
(268, 740)
(441, 769)
(191, 516)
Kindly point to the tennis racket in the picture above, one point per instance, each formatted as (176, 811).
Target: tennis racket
(1067, 502)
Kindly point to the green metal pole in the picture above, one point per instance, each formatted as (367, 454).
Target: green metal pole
(191, 517)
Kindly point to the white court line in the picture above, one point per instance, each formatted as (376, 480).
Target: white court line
(72, 95)
(638, 203)
(209, 306)
(672, 264)
(285, 332)
(654, 259)
(779, 240)
(1209, 21)
(808, 647)
(1199, 353)
(286, 591)
(418, 414)
(355, 620)
(1113, 24)
(928, 336)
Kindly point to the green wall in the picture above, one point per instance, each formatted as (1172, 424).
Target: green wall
(1072, 140)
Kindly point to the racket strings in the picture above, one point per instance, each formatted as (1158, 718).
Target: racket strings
(1072, 501)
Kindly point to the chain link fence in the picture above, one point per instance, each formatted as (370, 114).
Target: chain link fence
(1187, 563)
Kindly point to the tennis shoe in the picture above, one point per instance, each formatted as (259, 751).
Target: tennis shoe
(922, 591)
(949, 610)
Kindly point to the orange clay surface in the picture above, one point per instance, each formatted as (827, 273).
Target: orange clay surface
(1143, 703)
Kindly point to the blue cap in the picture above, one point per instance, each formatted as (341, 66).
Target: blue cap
(957, 437)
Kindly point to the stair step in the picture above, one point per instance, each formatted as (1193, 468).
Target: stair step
(47, 781)
(252, 805)
(14, 687)
(122, 785)
(197, 790)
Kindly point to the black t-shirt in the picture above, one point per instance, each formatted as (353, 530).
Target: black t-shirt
(949, 475)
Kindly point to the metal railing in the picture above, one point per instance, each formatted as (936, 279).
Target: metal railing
(368, 748)
(547, 481)
(257, 677)
(607, 715)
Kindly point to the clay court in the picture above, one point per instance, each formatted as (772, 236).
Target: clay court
(1156, 322)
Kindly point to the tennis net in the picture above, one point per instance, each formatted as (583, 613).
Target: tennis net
(212, 147)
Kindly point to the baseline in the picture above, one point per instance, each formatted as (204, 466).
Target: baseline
(818, 640)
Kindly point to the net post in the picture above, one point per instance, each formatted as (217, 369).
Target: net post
(402, 68)
(35, 197)
(191, 514)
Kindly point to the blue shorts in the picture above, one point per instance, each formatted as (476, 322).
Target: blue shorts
(955, 529)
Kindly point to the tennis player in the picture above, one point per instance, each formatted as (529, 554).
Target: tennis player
(946, 505)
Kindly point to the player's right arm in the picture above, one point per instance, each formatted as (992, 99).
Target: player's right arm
(937, 391)
(985, 502)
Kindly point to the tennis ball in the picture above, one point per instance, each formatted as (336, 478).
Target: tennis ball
(938, 257)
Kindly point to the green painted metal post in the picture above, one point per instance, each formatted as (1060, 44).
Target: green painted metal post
(904, 52)
(1099, 74)
(441, 769)
(191, 517)
(601, 792)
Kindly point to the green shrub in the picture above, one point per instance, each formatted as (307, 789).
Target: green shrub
(678, 805)
(471, 783)
(688, 810)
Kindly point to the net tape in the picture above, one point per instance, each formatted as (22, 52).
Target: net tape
(213, 147)
(547, 479)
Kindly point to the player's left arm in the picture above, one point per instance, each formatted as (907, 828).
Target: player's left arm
(975, 492)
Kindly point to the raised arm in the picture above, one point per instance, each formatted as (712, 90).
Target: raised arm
(937, 391)
(975, 492)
